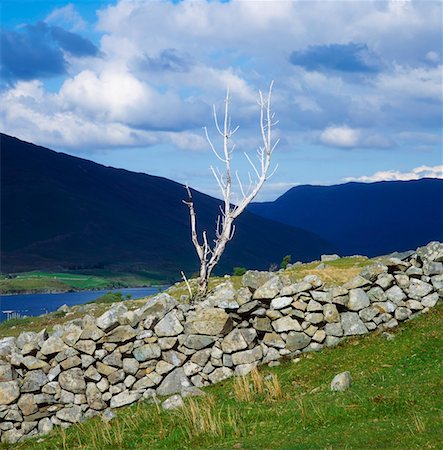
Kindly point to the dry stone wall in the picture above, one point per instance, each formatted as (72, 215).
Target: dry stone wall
(87, 366)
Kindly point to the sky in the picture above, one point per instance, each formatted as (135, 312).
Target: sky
(132, 84)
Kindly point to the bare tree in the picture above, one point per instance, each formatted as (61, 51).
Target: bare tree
(210, 255)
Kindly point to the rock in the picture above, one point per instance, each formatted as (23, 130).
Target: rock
(395, 295)
(169, 325)
(331, 313)
(9, 392)
(248, 307)
(314, 318)
(220, 374)
(63, 309)
(273, 340)
(110, 319)
(73, 380)
(107, 415)
(32, 363)
(357, 282)
(174, 357)
(71, 362)
(414, 272)
(418, 289)
(192, 391)
(430, 300)
(71, 414)
(352, 324)
(157, 307)
(262, 324)
(210, 321)
(402, 280)
(94, 397)
(27, 404)
(247, 356)
(367, 314)
(334, 329)
(174, 382)
(223, 296)
(358, 299)
(201, 357)
(11, 436)
(268, 290)
(416, 305)
(243, 369)
(120, 335)
(322, 297)
(33, 381)
(281, 302)
(286, 324)
(253, 279)
(234, 342)
(377, 294)
(53, 345)
(86, 346)
(391, 324)
(198, 342)
(71, 334)
(432, 268)
(90, 329)
(373, 271)
(146, 352)
(174, 402)
(319, 336)
(45, 426)
(431, 252)
(402, 313)
(130, 365)
(327, 258)
(341, 382)
(6, 373)
(314, 306)
(385, 281)
(7, 346)
(297, 341)
(125, 398)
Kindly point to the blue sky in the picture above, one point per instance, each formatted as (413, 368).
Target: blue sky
(131, 84)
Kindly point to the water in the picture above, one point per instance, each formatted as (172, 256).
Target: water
(36, 304)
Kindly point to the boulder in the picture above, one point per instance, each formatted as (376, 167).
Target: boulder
(120, 335)
(53, 345)
(341, 382)
(173, 402)
(220, 374)
(281, 302)
(146, 352)
(297, 341)
(418, 289)
(223, 296)
(169, 326)
(358, 299)
(198, 342)
(174, 382)
(330, 313)
(9, 392)
(352, 324)
(71, 414)
(268, 290)
(110, 319)
(286, 324)
(33, 381)
(157, 307)
(395, 294)
(431, 252)
(73, 380)
(210, 321)
(253, 279)
(124, 398)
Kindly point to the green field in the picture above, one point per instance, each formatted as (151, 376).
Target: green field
(34, 282)
(395, 402)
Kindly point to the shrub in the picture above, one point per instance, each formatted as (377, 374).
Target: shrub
(239, 271)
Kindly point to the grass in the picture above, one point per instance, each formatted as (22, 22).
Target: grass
(38, 281)
(395, 401)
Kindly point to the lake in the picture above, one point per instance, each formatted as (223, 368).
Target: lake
(37, 304)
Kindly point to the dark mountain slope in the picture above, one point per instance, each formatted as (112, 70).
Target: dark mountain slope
(59, 211)
(364, 218)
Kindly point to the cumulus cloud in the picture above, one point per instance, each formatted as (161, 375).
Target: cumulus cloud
(340, 136)
(67, 16)
(395, 175)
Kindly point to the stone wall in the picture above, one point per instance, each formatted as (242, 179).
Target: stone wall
(85, 367)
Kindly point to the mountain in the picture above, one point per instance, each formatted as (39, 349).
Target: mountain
(364, 218)
(62, 212)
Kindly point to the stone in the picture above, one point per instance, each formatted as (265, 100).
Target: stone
(104, 369)
(198, 342)
(72, 380)
(117, 377)
(373, 271)
(103, 385)
(273, 340)
(130, 365)
(174, 357)
(125, 398)
(94, 397)
(114, 359)
(146, 352)
(395, 295)
(234, 342)
(222, 296)
(402, 313)
(110, 319)
(220, 374)
(358, 299)
(313, 347)
(27, 404)
(45, 426)
(173, 402)
(92, 374)
(430, 300)
(191, 368)
(322, 297)
(431, 252)
(174, 382)
(9, 392)
(319, 336)
(248, 307)
(201, 357)
(166, 343)
(71, 362)
(243, 369)
(268, 290)
(297, 341)
(367, 314)
(314, 318)
(377, 294)
(120, 335)
(352, 324)
(32, 363)
(71, 414)
(90, 329)
(157, 307)
(71, 334)
(286, 324)
(33, 381)
(281, 302)
(385, 281)
(262, 324)
(327, 258)
(53, 345)
(86, 346)
(330, 313)
(415, 304)
(418, 289)
(11, 436)
(357, 282)
(314, 306)
(247, 356)
(385, 307)
(402, 280)
(192, 391)
(332, 341)
(169, 326)
(7, 346)
(334, 329)
(253, 279)
(6, 372)
(341, 382)
(163, 367)
(210, 321)
(391, 324)
(414, 272)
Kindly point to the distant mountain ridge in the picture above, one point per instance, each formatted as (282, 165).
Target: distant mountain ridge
(364, 218)
(59, 212)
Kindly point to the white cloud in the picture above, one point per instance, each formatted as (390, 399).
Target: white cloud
(395, 175)
(340, 136)
(67, 16)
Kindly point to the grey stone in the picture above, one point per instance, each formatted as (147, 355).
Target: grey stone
(71, 334)
(248, 307)
(222, 296)
(402, 280)
(358, 299)
(53, 345)
(395, 294)
(90, 329)
(71, 362)
(314, 306)
(210, 321)
(92, 374)
(114, 359)
(313, 347)
(368, 313)
(262, 324)
(268, 290)
(331, 313)
(169, 326)
(385, 307)
(73, 380)
(418, 289)
(341, 382)
(372, 272)
(174, 357)
(120, 335)
(243, 295)
(385, 281)
(130, 365)
(314, 318)
(415, 304)
(297, 341)
(247, 356)
(198, 342)
(402, 313)
(334, 329)
(273, 340)
(431, 252)
(173, 402)
(6, 372)
(157, 307)
(234, 342)
(220, 374)
(146, 352)
(281, 302)
(117, 377)
(33, 381)
(192, 391)
(319, 336)
(166, 343)
(9, 392)
(94, 397)
(11, 436)
(327, 258)
(7, 346)
(357, 282)
(45, 426)
(125, 398)
(414, 272)
(321, 296)
(87, 346)
(71, 414)
(391, 324)
(286, 324)
(430, 300)
(110, 319)
(377, 294)
(332, 341)
(201, 357)
(253, 279)
(174, 382)
(32, 363)
(352, 324)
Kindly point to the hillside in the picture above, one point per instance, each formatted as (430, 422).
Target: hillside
(364, 218)
(62, 212)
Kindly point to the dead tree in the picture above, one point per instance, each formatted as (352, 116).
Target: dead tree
(210, 255)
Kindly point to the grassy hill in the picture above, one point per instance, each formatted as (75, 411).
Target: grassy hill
(60, 212)
(395, 401)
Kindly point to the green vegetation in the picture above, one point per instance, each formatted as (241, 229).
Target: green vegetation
(285, 261)
(34, 282)
(239, 271)
(394, 402)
